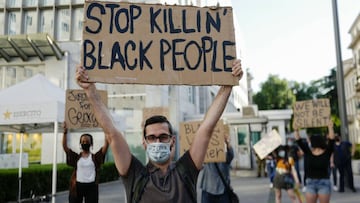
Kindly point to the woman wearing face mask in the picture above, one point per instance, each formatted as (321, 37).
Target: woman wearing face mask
(285, 175)
(84, 179)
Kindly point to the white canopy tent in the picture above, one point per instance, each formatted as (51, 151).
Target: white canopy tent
(34, 105)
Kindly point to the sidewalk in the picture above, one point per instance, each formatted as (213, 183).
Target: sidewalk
(249, 189)
(257, 190)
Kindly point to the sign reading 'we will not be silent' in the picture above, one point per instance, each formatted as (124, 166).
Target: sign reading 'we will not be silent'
(158, 44)
(312, 113)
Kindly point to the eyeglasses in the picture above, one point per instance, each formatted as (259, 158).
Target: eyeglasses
(164, 138)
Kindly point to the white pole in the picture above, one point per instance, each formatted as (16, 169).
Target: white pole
(20, 164)
(54, 162)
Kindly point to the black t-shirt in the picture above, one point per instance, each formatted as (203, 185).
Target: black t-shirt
(342, 153)
(317, 166)
(293, 152)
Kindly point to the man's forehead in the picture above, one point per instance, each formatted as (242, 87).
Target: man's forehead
(157, 127)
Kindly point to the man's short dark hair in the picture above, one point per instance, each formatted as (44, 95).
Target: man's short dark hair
(157, 119)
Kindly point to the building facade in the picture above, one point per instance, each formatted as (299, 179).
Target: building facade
(352, 83)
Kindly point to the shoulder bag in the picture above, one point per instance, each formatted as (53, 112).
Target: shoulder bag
(233, 198)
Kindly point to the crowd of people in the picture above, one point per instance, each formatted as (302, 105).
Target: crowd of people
(165, 180)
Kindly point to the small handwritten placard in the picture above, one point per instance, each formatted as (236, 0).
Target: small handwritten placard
(78, 110)
(311, 113)
(216, 148)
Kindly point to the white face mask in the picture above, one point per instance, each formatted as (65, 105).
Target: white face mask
(281, 153)
(158, 152)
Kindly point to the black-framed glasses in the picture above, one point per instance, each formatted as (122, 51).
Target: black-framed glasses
(164, 138)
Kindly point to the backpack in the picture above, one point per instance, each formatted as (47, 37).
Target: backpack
(183, 171)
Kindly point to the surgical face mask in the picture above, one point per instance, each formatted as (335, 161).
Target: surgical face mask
(281, 153)
(85, 147)
(158, 152)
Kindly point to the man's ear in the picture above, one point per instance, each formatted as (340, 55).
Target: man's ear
(144, 143)
(173, 139)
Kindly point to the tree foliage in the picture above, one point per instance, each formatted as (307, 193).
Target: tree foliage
(274, 94)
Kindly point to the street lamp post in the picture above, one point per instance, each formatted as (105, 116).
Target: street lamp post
(340, 75)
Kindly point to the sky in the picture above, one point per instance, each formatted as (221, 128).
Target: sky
(293, 39)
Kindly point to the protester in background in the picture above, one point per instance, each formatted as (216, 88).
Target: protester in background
(161, 180)
(333, 172)
(296, 153)
(260, 166)
(285, 175)
(211, 184)
(343, 152)
(306, 141)
(318, 184)
(84, 182)
(270, 167)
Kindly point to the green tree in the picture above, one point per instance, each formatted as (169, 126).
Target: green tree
(322, 88)
(275, 93)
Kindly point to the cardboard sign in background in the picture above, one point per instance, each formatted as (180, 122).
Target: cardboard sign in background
(311, 113)
(152, 111)
(267, 144)
(158, 44)
(78, 110)
(216, 148)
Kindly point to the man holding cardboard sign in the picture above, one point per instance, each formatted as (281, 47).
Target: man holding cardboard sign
(161, 180)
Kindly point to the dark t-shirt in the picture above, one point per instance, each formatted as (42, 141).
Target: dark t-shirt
(160, 187)
(317, 166)
(342, 153)
(293, 152)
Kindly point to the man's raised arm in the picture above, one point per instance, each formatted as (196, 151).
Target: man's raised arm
(203, 135)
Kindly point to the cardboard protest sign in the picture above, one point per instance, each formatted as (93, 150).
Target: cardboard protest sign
(311, 113)
(152, 111)
(78, 110)
(267, 144)
(216, 148)
(138, 43)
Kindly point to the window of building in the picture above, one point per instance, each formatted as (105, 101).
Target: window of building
(30, 25)
(28, 73)
(46, 2)
(63, 27)
(63, 2)
(2, 18)
(191, 94)
(12, 23)
(11, 72)
(77, 23)
(30, 3)
(46, 21)
(13, 3)
(127, 112)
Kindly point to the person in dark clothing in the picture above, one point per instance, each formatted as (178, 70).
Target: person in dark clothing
(343, 151)
(318, 184)
(213, 188)
(84, 182)
(296, 153)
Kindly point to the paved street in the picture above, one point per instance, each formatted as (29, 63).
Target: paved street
(249, 189)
